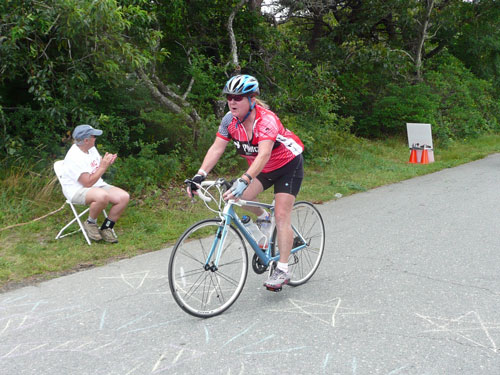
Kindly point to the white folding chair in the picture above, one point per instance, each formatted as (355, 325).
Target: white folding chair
(58, 169)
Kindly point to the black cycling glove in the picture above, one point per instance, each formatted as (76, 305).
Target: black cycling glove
(192, 183)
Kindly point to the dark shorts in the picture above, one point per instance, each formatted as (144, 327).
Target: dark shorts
(286, 179)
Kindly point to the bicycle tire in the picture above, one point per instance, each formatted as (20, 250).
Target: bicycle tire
(303, 264)
(207, 292)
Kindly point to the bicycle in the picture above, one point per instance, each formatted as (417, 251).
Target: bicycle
(208, 266)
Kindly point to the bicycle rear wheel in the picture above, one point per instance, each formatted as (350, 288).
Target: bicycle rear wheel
(207, 291)
(307, 220)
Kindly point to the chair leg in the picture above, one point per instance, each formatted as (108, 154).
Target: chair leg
(77, 219)
(66, 226)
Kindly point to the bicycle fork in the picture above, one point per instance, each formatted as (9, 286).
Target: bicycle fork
(217, 246)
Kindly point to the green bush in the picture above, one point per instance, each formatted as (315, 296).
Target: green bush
(399, 105)
(451, 98)
(467, 106)
(145, 170)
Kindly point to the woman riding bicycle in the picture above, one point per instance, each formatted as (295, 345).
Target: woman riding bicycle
(274, 155)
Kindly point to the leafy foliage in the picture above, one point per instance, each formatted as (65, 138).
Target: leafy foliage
(330, 69)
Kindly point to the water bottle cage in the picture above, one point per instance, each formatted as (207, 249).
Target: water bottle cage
(259, 222)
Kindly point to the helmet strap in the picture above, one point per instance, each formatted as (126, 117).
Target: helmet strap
(252, 106)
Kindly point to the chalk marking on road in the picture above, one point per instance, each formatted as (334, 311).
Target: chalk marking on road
(207, 336)
(12, 351)
(445, 325)
(135, 320)
(394, 372)
(325, 362)
(73, 315)
(37, 347)
(159, 361)
(6, 326)
(194, 354)
(103, 316)
(61, 309)
(178, 356)
(313, 315)
(238, 335)
(14, 299)
(135, 368)
(302, 307)
(242, 370)
(354, 366)
(277, 351)
(486, 332)
(35, 306)
(255, 343)
(22, 321)
(103, 346)
(59, 346)
(159, 294)
(335, 312)
(83, 345)
(127, 278)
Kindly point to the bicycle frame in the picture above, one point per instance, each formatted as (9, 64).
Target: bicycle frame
(228, 217)
(208, 265)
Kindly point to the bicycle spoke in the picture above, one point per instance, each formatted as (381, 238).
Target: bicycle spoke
(207, 289)
(309, 226)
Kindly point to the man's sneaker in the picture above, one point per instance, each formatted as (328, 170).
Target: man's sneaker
(108, 236)
(277, 280)
(92, 231)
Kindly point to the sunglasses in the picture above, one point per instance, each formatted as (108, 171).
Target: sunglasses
(236, 98)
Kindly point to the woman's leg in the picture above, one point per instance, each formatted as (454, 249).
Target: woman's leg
(250, 194)
(283, 215)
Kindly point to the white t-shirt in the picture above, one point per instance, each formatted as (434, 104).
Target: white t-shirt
(77, 162)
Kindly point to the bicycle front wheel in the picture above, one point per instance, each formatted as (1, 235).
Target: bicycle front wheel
(307, 221)
(201, 289)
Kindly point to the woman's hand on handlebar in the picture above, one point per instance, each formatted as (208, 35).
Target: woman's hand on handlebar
(192, 184)
(236, 190)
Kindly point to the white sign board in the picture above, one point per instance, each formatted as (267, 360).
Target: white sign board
(419, 134)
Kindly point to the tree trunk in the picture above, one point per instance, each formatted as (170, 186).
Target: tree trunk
(316, 32)
(421, 40)
(165, 96)
(232, 38)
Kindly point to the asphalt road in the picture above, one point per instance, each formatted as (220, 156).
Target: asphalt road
(409, 284)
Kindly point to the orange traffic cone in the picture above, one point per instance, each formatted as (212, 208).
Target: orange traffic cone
(425, 157)
(413, 156)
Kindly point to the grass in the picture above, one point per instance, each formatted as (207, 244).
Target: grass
(29, 253)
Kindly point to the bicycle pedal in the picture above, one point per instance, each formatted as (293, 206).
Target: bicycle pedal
(274, 289)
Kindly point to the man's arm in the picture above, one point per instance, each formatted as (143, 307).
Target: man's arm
(88, 180)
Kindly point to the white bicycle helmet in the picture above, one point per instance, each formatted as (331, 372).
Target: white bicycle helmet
(241, 84)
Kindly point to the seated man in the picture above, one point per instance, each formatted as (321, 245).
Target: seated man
(82, 183)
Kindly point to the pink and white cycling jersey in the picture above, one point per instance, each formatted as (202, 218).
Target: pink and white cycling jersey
(267, 126)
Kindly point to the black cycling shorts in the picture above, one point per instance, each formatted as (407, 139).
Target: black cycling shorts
(286, 179)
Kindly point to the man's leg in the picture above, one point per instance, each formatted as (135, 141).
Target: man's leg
(119, 199)
(97, 199)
